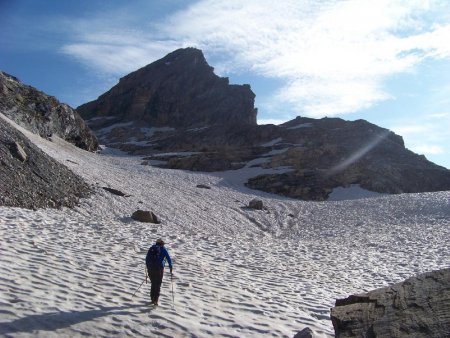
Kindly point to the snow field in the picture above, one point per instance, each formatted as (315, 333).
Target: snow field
(237, 272)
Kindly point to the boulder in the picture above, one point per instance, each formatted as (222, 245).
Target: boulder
(256, 204)
(417, 307)
(115, 192)
(145, 216)
(19, 152)
(203, 186)
(305, 333)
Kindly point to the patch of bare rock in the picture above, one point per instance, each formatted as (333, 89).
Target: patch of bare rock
(43, 114)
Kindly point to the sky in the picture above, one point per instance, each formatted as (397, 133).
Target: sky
(387, 62)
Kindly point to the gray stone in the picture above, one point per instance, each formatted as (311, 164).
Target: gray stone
(417, 307)
(115, 192)
(305, 333)
(19, 152)
(145, 216)
(203, 186)
(256, 204)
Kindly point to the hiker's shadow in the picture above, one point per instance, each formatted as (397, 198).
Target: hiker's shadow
(57, 320)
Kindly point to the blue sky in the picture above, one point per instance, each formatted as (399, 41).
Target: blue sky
(384, 61)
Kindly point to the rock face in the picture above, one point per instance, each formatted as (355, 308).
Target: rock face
(31, 179)
(328, 153)
(417, 307)
(43, 114)
(175, 112)
(180, 90)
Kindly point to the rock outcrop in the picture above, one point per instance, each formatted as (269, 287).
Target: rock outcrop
(177, 114)
(179, 90)
(30, 178)
(43, 114)
(417, 307)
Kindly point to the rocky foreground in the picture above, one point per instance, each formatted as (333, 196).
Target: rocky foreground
(417, 307)
(30, 178)
(177, 112)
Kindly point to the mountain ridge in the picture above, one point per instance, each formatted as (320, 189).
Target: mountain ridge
(149, 113)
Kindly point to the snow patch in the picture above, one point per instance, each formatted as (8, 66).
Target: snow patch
(353, 192)
(272, 143)
(114, 126)
(276, 152)
(303, 125)
(149, 132)
(181, 154)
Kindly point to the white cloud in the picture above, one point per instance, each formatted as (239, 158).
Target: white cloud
(270, 121)
(116, 55)
(427, 134)
(333, 56)
(428, 149)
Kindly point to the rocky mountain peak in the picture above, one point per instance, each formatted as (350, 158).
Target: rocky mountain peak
(177, 113)
(179, 91)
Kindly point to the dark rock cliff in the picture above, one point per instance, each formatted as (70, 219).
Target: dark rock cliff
(43, 114)
(179, 90)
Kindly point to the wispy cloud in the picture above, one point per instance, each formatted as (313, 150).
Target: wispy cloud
(333, 56)
(428, 134)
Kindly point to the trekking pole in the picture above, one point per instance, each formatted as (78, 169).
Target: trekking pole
(138, 288)
(173, 296)
(145, 280)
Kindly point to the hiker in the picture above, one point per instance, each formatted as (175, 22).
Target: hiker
(155, 261)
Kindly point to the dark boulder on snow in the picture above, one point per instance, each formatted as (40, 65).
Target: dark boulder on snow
(417, 307)
(115, 192)
(305, 333)
(177, 112)
(203, 186)
(31, 179)
(256, 204)
(43, 114)
(145, 216)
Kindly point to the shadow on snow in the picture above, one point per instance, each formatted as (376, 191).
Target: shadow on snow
(58, 320)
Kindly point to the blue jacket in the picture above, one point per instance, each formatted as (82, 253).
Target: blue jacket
(163, 257)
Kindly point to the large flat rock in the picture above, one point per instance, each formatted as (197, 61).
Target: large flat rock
(417, 307)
